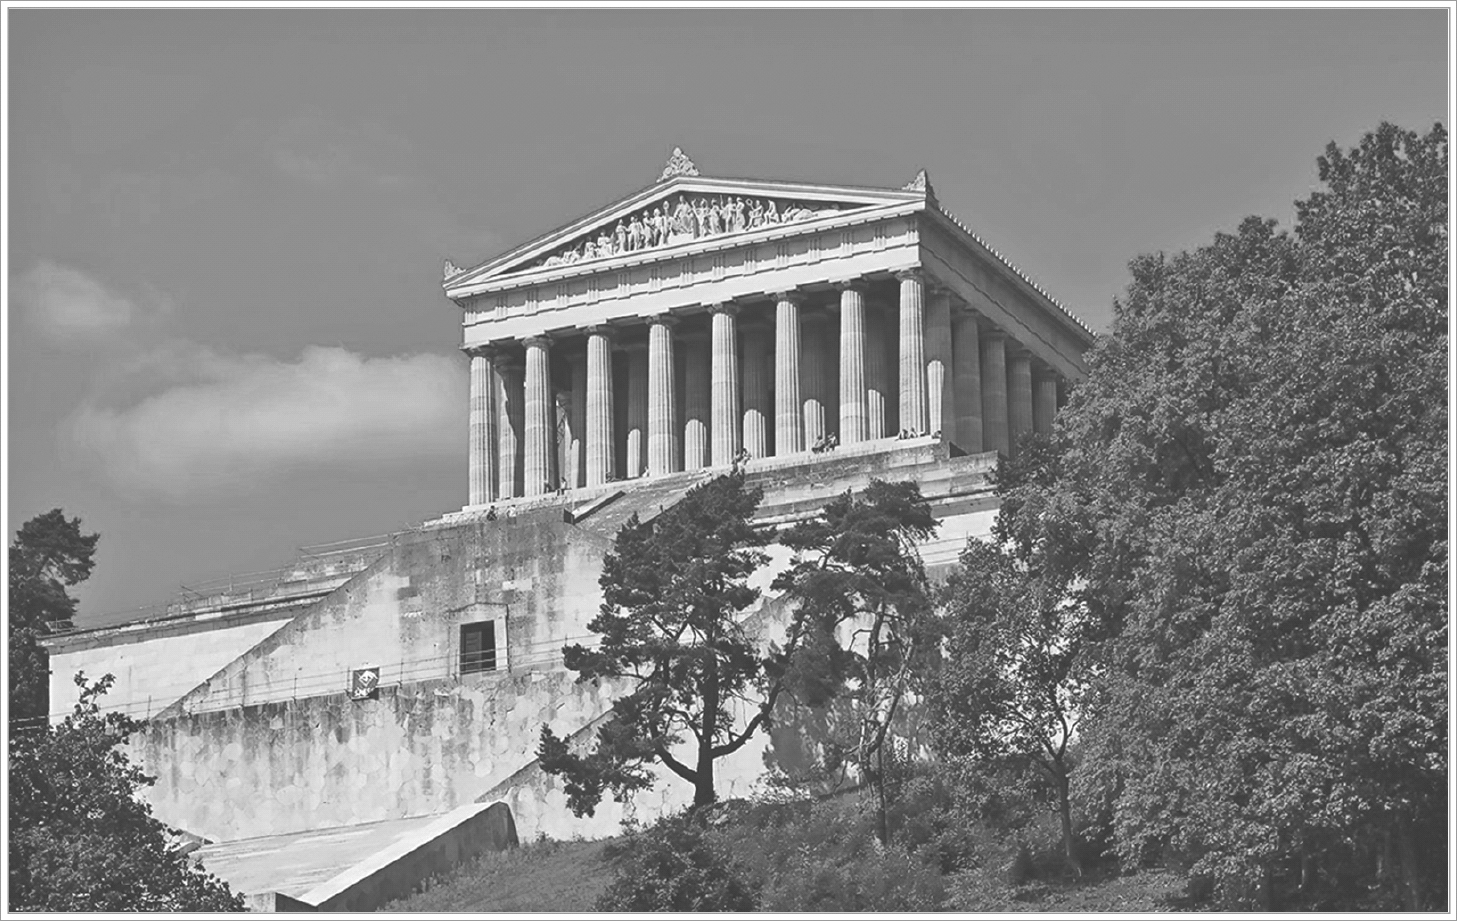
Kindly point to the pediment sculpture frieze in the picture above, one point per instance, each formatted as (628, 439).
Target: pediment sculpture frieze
(682, 219)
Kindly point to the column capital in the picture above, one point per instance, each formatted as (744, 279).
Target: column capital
(851, 284)
(602, 329)
(915, 273)
(482, 350)
(663, 319)
(992, 333)
(1016, 349)
(725, 307)
(938, 288)
(540, 340)
(791, 296)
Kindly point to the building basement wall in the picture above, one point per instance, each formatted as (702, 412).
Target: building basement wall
(152, 669)
(247, 755)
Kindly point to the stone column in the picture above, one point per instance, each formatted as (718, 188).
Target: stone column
(758, 388)
(574, 443)
(879, 399)
(724, 379)
(599, 406)
(994, 431)
(482, 427)
(940, 397)
(912, 352)
(662, 399)
(1044, 399)
(697, 404)
(511, 420)
(854, 422)
(540, 476)
(788, 413)
(637, 410)
(814, 376)
(1019, 395)
(966, 376)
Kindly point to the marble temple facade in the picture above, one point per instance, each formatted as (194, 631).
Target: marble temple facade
(703, 322)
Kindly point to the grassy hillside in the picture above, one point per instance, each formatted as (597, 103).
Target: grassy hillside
(563, 876)
(797, 858)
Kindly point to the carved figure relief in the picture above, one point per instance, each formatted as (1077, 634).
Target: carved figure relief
(684, 219)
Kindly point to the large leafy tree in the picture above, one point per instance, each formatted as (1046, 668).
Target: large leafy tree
(674, 589)
(1252, 493)
(1014, 684)
(861, 618)
(48, 555)
(80, 840)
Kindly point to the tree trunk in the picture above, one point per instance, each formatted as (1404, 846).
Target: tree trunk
(882, 828)
(1385, 857)
(1410, 875)
(703, 794)
(1307, 874)
(1065, 813)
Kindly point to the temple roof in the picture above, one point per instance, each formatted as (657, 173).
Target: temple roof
(680, 208)
(683, 210)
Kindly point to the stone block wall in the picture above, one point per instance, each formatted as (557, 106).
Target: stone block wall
(295, 765)
(271, 744)
(534, 577)
(156, 666)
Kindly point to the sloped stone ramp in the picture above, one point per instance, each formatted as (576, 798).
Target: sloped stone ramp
(357, 867)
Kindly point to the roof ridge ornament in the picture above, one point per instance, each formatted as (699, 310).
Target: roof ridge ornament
(678, 165)
(452, 270)
(922, 183)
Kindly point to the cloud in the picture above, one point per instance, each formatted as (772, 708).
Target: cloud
(70, 306)
(238, 422)
(331, 154)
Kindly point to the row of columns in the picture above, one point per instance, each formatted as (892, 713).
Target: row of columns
(952, 377)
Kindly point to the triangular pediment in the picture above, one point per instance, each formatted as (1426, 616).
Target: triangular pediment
(677, 212)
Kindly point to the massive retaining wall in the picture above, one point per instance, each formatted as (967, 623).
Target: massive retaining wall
(418, 749)
(424, 748)
(533, 577)
(271, 744)
(153, 664)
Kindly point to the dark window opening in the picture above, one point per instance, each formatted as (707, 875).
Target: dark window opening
(477, 647)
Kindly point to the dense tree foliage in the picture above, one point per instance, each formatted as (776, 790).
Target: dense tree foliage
(1014, 685)
(48, 555)
(80, 840)
(676, 864)
(1250, 500)
(673, 589)
(861, 617)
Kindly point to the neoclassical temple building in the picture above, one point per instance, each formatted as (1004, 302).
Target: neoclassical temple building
(329, 727)
(705, 320)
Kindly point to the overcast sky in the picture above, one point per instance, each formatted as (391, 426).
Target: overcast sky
(226, 335)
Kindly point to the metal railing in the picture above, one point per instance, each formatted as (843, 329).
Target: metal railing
(316, 565)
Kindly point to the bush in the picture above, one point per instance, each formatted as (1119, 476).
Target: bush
(891, 880)
(825, 857)
(676, 864)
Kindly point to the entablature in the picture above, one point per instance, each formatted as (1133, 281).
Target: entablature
(987, 284)
(748, 269)
(540, 270)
